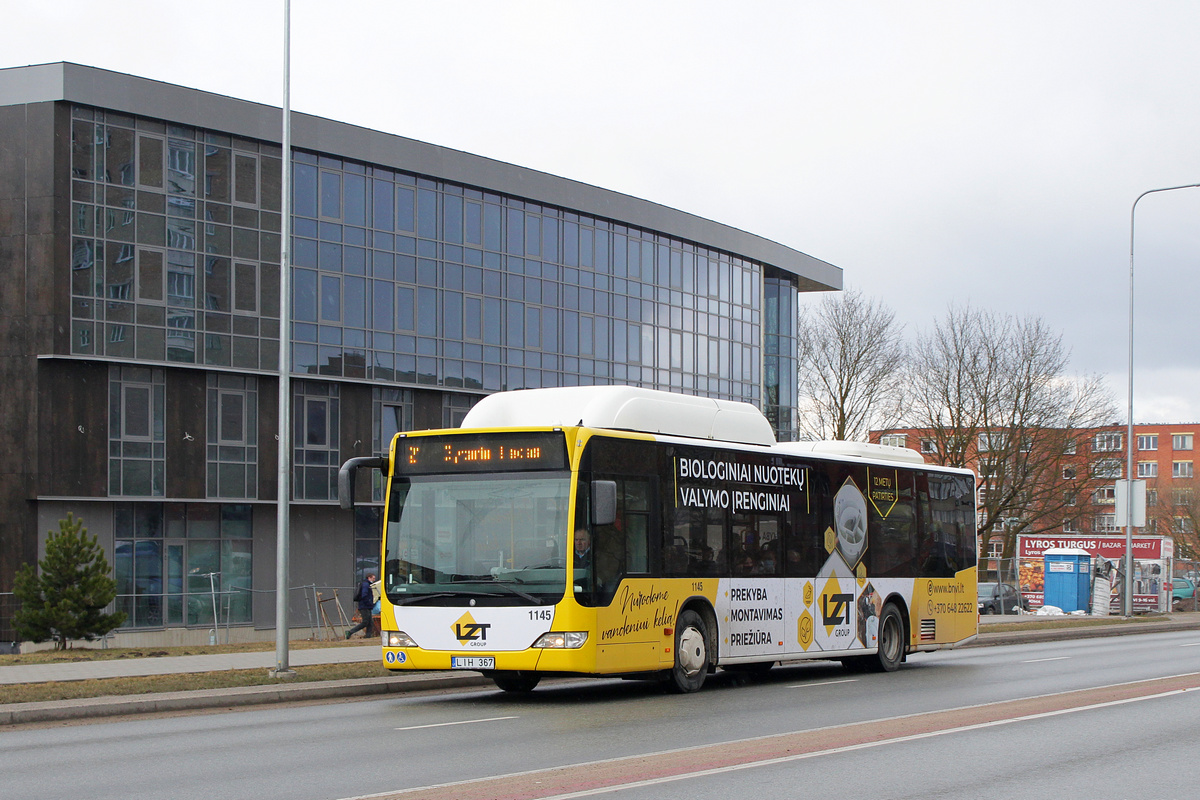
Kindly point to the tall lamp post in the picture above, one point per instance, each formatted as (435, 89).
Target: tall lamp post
(284, 485)
(1128, 610)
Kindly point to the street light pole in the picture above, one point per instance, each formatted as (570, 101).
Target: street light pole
(1128, 609)
(284, 485)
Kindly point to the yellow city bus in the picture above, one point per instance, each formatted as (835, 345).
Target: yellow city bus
(623, 531)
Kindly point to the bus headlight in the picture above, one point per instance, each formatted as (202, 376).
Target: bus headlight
(565, 640)
(397, 639)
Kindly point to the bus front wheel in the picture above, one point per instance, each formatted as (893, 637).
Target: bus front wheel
(516, 681)
(691, 653)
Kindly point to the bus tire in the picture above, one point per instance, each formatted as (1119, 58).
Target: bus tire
(516, 681)
(691, 653)
(891, 641)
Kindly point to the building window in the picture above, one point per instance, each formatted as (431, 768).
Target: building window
(368, 529)
(232, 436)
(991, 469)
(136, 432)
(1107, 443)
(992, 441)
(1181, 441)
(174, 562)
(1147, 469)
(1185, 525)
(1068, 473)
(392, 414)
(315, 444)
(893, 439)
(995, 548)
(1107, 468)
(1105, 496)
(455, 408)
(1105, 523)
(1070, 447)
(928, 446)
(1183, 497)
(1181, 469)
(1070, 526)
(1151, 498)
(1147, 441)
(1070, 498)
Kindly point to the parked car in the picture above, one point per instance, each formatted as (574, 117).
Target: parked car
(1183, 591)
(1000, 598)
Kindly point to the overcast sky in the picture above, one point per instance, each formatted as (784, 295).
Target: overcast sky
(939, 153)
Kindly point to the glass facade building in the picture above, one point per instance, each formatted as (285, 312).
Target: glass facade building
(422, 279)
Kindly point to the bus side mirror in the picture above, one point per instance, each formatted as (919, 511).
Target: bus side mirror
(604, 502)
(346, 476)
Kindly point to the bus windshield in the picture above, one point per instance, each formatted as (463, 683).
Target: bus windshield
(481, 539)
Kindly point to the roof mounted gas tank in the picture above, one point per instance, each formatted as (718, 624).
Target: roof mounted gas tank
(627, 408)
(863, 450)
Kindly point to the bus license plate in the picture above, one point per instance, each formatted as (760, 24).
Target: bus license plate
(472, 662)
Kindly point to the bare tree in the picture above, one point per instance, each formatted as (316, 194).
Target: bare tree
(1178, 514)
(851, 367)
(993, 392)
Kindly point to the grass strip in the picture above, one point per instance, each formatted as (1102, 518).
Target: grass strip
(180, 682)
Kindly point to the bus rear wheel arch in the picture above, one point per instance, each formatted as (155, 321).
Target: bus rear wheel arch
(892, 644)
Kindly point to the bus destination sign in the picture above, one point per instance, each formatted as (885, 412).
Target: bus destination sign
(480, 452)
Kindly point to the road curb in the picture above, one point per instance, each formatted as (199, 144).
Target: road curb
(92, 707)
(1089, 632)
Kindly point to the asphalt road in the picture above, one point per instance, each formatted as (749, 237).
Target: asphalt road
(763, 737)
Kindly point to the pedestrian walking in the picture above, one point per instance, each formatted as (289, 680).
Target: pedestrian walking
(364, 599)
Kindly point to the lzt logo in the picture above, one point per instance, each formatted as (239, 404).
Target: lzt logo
(835, 608)
(471, 631)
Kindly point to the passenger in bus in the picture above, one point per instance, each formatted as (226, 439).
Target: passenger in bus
(583, 548)
(768, 558)
(708, 561)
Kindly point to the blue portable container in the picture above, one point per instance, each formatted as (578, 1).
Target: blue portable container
(1068, 578)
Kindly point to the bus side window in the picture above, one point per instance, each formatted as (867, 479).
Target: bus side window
(755, 544)
(697, 546)
(804, 543)
(891, 550)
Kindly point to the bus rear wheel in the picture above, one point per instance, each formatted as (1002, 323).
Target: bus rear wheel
(516, 681)
(691, 653)
(891, 641)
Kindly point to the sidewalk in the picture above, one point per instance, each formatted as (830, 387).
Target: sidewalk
(172, 665)
(402, 682)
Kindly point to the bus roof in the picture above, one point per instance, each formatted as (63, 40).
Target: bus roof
(628, 408)
(844, 449)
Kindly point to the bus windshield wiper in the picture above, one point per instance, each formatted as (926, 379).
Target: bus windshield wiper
(507, 585)
(414, 598)
(520, 593)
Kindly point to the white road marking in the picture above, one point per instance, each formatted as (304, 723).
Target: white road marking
(821, 683)
(459, 722)
(1191, 644)
(1039, 660)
